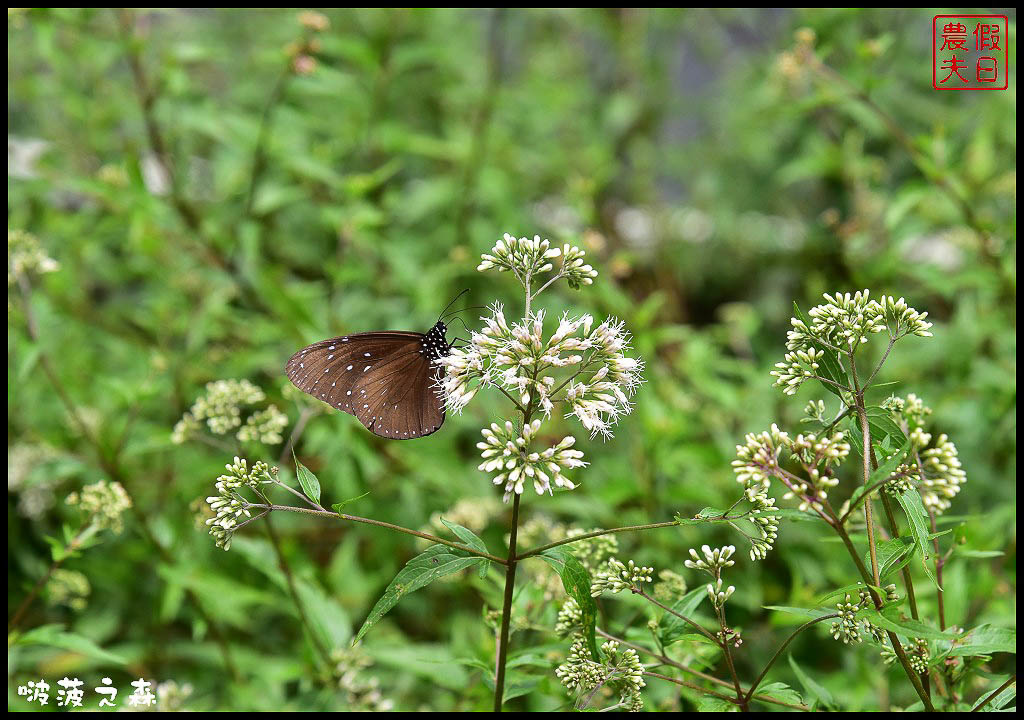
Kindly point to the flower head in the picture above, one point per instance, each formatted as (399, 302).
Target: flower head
(840, 325)
(620, 672)
(221, 410)
(505, 450)
(104, 502)
(26, 257)
(228, 505)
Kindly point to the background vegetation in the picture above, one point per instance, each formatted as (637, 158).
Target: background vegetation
(223, 187)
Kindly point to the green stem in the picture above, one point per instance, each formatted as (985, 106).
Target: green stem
(665, 660)
(596, 533)
(381, 523)
(897, 646)
(506, 608)
(778, 653)
(692, 686)
(693, 623)
(992, 696)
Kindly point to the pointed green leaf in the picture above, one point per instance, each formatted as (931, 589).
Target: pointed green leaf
(310, 485)
(338, 506)
(673, 627)
(472, 540)
(56, 636)
(820, 693)
(436, 562)
(912, 506)
(576, 581)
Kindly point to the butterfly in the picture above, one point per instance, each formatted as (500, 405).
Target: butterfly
(389, 380)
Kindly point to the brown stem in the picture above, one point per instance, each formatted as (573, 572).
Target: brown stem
(692, 686)
(992, 696)
(41, 583)
(664, 659)
(380, 523)
(778, 653)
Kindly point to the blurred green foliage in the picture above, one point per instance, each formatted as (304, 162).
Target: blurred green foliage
(223, 187)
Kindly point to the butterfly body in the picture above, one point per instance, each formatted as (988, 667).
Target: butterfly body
(387, 380)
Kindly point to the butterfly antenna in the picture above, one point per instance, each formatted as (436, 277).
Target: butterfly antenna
(463, 324)
(471, 307)
(439, 317)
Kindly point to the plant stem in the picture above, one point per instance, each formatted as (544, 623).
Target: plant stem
(506, 608)
(693, 623)
(862, 416)
(992, 696)
(380, 523)
(41, 583)
(293, 590)
(692, 686)
(778, 653)
(665, 660)
(897, 646)
(596, 533)
(940, 563)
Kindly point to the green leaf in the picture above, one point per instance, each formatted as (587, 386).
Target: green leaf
(709, 703)
(56, 636)
(985, 640)
(436, 562)
(781, 691)
(576, 581)
(338, 506)
(1002, 699)
(912, 506)
(472, 540)
(310, 485)
(884, 470)
(882, 425)
(893, 555)
(889, 619)
(673, 628)
(809, 613)
(821, 694)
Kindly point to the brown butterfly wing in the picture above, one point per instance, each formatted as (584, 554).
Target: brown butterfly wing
(385, 379)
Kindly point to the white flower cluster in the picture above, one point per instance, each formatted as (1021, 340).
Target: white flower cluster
(617, 577)
(719, 595)
(838, 326)
(221, 409)
(714, 560)
(526, 258)
(758, 461)
(942, 475)
(228, 505)
(570, 618)
(766, 523)
(621, 672)
(505, 450)
(817, 455)
(69, 588)
(104, 502)
(848, 627)
(362, 690)
(26, 257)
(519, 360)
(939, 474)
(581, 364)
(264, 426)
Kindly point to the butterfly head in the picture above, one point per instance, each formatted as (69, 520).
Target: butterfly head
(436, 343)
